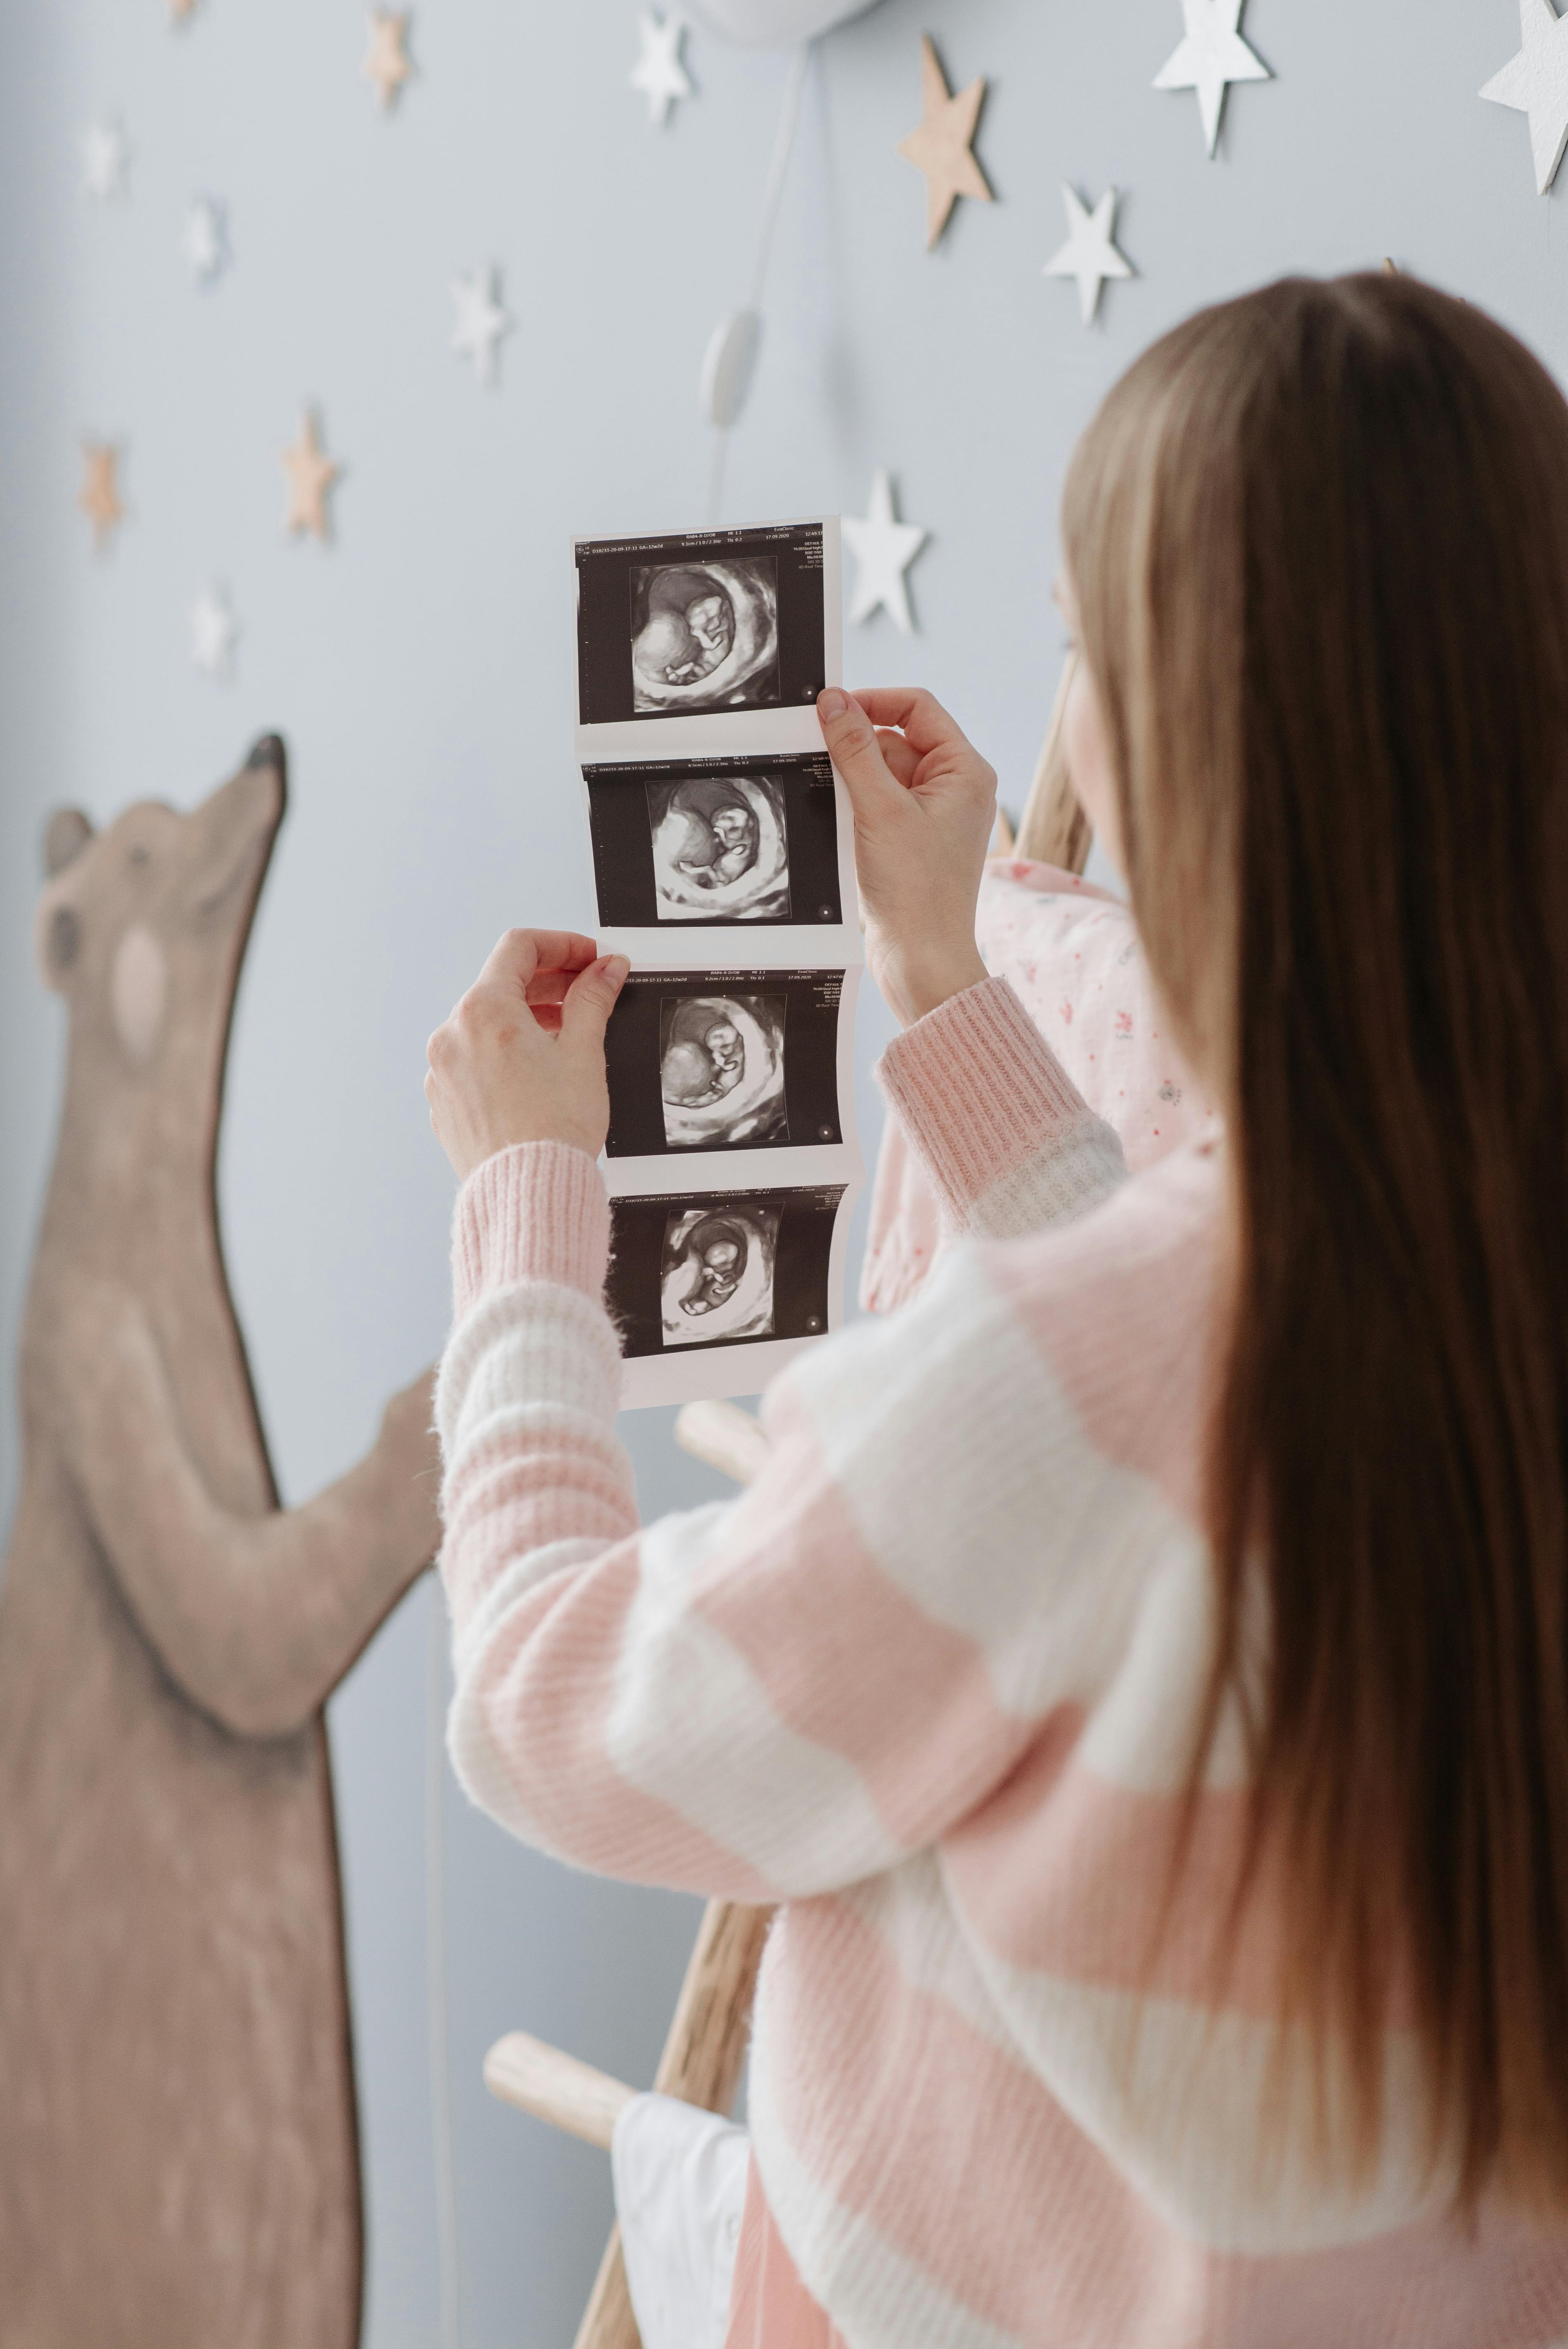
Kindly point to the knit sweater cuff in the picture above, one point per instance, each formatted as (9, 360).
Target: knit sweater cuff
(979, 1091)
(535, 1212)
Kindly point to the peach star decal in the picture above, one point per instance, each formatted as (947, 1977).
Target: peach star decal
(941, 147)
(181, 11)
(387, 61)
(100, 497)
(310, 474)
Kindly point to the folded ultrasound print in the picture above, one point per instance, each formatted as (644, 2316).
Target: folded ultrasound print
(723, 870)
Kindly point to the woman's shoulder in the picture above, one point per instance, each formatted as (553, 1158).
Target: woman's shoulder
(1072, 955)
(1046, 879)
(1048, 902)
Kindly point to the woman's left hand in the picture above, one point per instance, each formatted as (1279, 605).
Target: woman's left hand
(522, 1059)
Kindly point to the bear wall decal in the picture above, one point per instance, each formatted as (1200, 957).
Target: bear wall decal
(179, 2161)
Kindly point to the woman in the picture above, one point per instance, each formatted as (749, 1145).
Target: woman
(1140, 1670)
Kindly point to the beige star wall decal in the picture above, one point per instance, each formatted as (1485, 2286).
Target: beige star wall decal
(387, 61)
(943, 146)
(100, 497)
(310, 473)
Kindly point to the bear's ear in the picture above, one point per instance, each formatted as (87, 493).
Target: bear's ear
(65, 835)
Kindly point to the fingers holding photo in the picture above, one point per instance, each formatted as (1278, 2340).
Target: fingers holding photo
(899, 755)
(920, 717)
(541, 965)
(857, 753)
(924, 803)
(901, 734)
(520, 958)
(496, 1077)
(546, 992)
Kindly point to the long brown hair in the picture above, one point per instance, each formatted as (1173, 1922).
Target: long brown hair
(1319, 538)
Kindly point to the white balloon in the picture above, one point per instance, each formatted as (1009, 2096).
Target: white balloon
(776, 23)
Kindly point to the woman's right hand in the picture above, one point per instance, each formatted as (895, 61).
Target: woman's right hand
(924, 803)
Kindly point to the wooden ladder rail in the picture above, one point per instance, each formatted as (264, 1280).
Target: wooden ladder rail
(702, 2062)
(705, 2050)
(1052, 828)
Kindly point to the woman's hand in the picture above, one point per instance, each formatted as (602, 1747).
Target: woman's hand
(925, 802)
(522, 1059)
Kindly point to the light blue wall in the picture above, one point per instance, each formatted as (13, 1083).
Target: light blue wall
(419, 669)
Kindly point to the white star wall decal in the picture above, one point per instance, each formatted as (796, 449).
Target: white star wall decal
(213, 629)
(205, 240)
(105, 158)
(1089, 253)
(1535, 82)
(1211, 55)
(481, 322)
(659, 73)
(883, 548)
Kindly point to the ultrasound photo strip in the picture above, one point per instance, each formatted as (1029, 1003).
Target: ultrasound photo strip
(723, 870)
(707, 642)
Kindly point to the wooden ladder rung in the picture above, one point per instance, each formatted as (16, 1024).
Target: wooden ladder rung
(555, 2087)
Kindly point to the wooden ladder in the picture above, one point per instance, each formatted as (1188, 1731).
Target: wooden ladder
(705, 2050)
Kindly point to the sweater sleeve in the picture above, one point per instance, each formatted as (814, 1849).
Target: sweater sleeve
(1002, 1130)
(788, 1691)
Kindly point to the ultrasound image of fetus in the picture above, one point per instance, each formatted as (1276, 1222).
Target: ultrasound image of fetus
(689, 629)
(735, 843)
(704, 637)
(719, 1259)
(717, 1278)
(721, 1070)
(701, 1070)
(720, 850)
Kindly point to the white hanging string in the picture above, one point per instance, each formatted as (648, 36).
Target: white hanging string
(772, 193)
(716, 476)
(783, 143)
(443, 2134)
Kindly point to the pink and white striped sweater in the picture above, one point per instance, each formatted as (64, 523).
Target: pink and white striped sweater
(930, 1683)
